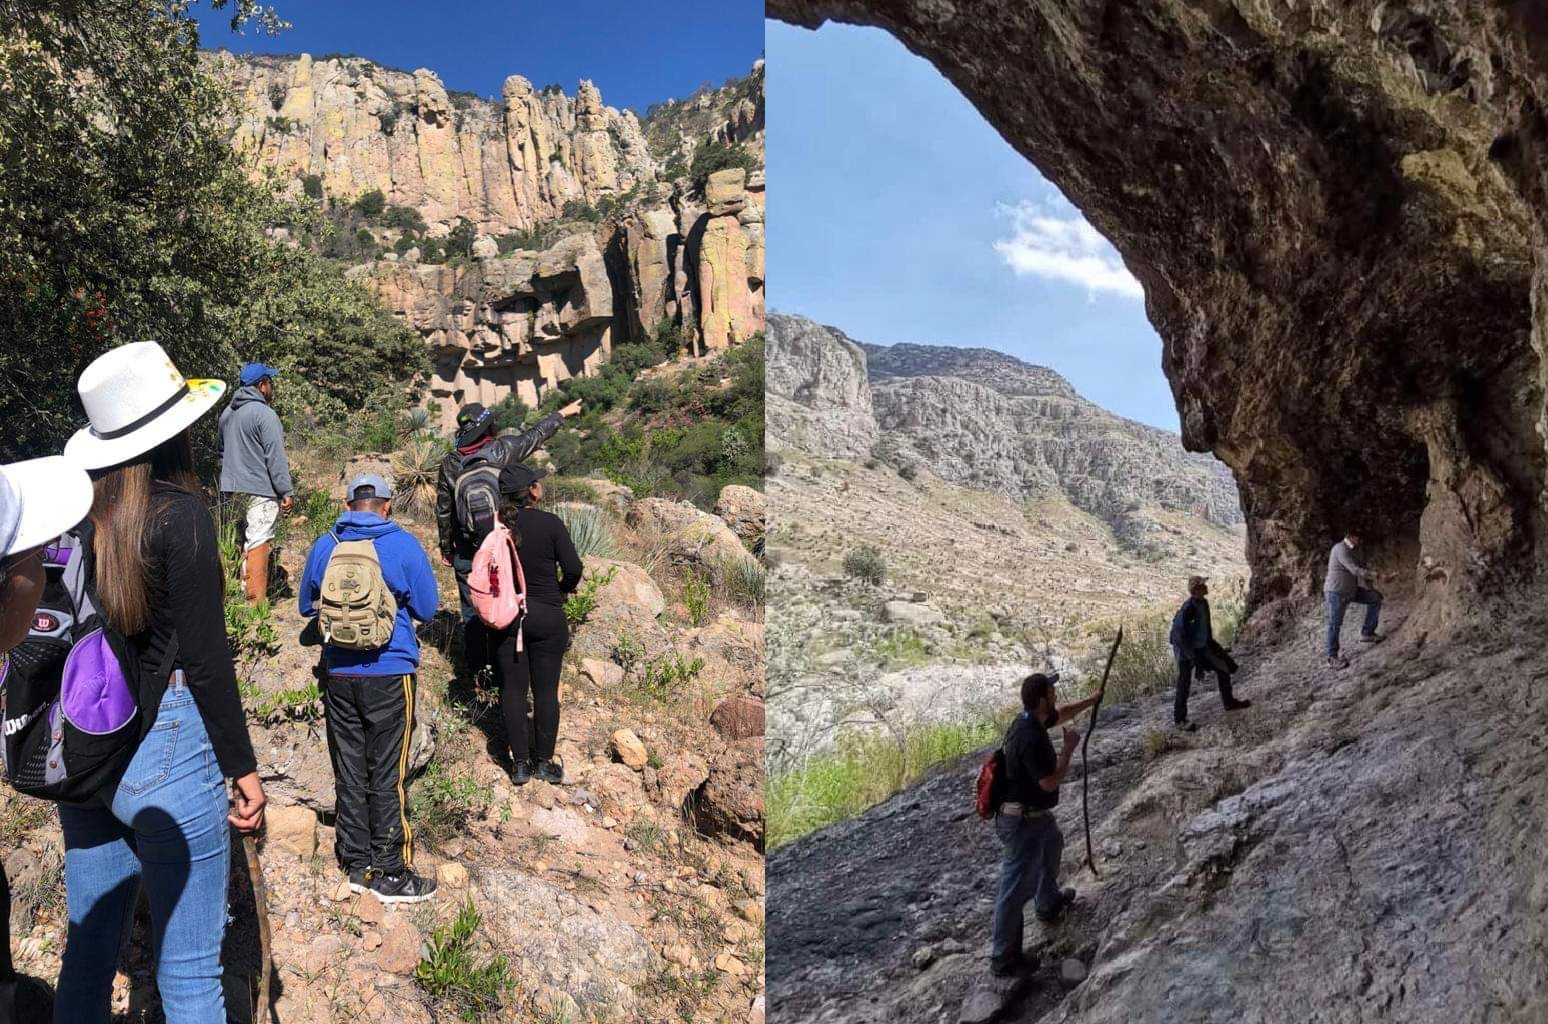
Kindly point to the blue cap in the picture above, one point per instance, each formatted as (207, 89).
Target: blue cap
(252, 373)
(379, 486)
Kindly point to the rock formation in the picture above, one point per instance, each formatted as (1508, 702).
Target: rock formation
(524, 322)
(1337, 212)
(819, 395)
(505, 166)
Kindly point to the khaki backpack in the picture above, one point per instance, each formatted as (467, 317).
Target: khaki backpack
(355, 611)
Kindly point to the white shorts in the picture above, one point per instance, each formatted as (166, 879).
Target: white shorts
(262, 514)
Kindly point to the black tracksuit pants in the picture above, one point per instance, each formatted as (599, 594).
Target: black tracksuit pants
(370, 720)
(536, 669)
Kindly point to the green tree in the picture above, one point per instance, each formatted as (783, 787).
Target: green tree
(371, 203)
(712, 155)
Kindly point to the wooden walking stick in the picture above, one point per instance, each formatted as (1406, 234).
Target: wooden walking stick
(1085, 746)
(261, 908)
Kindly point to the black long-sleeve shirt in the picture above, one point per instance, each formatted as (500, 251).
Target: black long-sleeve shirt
(546, 550)
(186, 596)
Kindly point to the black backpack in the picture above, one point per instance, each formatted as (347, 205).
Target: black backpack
(70, 692)
(477, 494)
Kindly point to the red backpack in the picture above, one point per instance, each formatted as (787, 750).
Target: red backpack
(990, 790)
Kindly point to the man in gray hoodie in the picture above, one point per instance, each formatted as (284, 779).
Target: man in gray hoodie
(253, 464)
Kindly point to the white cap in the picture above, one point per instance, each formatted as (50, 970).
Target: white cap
(39, 500)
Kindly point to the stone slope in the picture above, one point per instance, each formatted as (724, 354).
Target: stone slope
(819, 396)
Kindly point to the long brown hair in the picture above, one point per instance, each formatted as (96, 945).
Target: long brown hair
(122, 518)
(510, 506)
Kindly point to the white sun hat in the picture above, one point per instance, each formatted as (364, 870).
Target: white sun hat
(135, 399)
(39, 500)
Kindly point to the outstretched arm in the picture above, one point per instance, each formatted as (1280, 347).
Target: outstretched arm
(1070, 712)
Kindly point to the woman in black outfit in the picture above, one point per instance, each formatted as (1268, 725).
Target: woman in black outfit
(553, 570)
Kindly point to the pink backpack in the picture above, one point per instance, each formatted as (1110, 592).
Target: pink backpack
(497, 584)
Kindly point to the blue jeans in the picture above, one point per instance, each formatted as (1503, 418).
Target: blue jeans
(166, 828)
(1028, 871)
(1337, 603)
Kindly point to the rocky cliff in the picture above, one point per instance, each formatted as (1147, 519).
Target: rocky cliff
(585, 232)
(1337, 212)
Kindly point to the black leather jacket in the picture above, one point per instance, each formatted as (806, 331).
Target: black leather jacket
(503, 449)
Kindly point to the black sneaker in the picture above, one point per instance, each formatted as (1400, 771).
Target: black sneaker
(521, 773)
(359, 880)
(1237, 703)
(550, 771)
(1372, 638)
(1066, 897)
(404, 887)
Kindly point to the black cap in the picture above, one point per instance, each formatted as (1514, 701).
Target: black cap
(1035, 686)
(469, 413)
(518, 479)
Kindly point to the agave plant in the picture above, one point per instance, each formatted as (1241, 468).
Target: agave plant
(414, 469)
(588, 529)
(417, 422)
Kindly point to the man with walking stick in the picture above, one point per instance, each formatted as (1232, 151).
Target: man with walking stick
(1025, 824)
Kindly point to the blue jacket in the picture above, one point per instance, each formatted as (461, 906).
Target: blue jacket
(409, 577)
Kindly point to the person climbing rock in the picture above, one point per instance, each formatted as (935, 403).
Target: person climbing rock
(1345, 585)
(460, 518)
(254, 470)
(367, 581)
(1025, 825)
(553, 570)
(1196, 652)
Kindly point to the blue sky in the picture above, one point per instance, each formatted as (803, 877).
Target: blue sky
(638, 53)
(897, 214)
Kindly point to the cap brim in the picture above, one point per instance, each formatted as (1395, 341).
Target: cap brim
(55, 496)
(89, 451)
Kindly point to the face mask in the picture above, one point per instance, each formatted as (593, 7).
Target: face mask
(1052, 719)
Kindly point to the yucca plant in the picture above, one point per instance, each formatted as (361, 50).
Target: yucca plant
(414, 470)
(416, 422)
(588, 529)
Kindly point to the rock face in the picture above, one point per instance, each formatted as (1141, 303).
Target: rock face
(819, 398)
(511, 324)
(505, 166)
(524, 322)
(989, 421)
(1337, 212)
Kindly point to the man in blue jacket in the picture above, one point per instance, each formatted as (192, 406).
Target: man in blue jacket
(1195, 650)
(368, 699)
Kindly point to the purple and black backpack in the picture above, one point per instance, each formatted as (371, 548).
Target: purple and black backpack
(70, 692)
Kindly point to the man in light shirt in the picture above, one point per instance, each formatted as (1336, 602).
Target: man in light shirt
(1346, 584)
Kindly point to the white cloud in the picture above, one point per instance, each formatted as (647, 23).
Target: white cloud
(1058, 246)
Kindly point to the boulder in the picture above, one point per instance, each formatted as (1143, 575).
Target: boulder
(626, 607)
(910, 613)
(738, 718)
(626, 746)
(399, 952)
(560, 942)
(730, 803)
(694, 537)
(725, 192)
(605, 674)
(485, 247)
(742, 508)
(291, 831)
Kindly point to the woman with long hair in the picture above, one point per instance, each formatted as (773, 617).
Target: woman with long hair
(156, 570)
(553, 570)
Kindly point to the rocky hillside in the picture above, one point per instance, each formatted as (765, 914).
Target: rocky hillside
(633, 892)
(1337, 213)
(521, 238)
(974, 572)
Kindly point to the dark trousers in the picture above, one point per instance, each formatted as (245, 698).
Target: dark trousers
(535, 669)
(1189, 663)
(370, 720)
(476, 643)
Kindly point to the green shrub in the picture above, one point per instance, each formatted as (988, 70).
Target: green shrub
(303, 704)
(744, 581)
(312, 185)
(660, 680)
(866, 563)
(583, 601)
(696, 596)
(443, 803)
(579, 209)
(454, 978)
(712, 155)
(1143, 665)
(371, 203)
(902, 648)
(459, 243)
(416, 469)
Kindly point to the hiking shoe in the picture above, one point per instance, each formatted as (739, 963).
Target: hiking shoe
(1372, 638)
(1185, 726)
(404, 887)
(1020, 964)
(550, 771)
(1237, 703)
(359, 880)
(1066, 897)
(521, 773)
(1337, 661)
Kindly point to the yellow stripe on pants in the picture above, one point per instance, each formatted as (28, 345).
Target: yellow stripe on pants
(403, 766)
